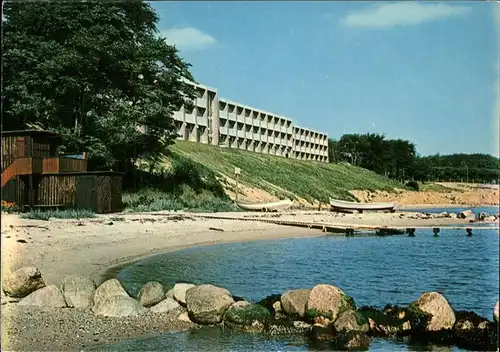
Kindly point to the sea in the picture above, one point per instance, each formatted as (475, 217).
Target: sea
(373, 270)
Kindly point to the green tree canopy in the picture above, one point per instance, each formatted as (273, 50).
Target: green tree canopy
(93, 71)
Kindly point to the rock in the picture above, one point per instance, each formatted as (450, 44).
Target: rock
(444, 214)
(170, 293)
(354, 340)
(151, 294)
(164, 306)
(321, 332)
(294, 302)
(246, 316)
(206, 304)
(109, 288)
(483, 325)
(22, 282)
(180, 292)
(489, 219)
(466, 214)
(278, 311)
(284, 327)
(302, 325)
(496, 312)
(483, 215)
(270, 301)
(118, 306)
(78, 291)
(49, 296)
(350, 320)
(392, 321)
(433, 303)
(464, 325)
(184, 316)
(452, 215)
(327, 301)
(322, 320)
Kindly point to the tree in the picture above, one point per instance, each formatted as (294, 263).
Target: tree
(95, 72)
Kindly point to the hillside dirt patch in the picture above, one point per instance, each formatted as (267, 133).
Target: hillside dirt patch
(459, 193)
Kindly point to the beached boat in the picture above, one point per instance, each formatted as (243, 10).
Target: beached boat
(269, 206)
(346, 205)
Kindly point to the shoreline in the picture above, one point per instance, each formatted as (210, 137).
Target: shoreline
(100, 247)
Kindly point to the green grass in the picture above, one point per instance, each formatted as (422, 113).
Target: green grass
(58, 214)
(150, 199)
(285, 177)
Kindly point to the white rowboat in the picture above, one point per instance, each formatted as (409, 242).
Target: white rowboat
(345, 205)
(269, 206)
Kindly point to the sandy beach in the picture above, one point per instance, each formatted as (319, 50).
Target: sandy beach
(91, 247)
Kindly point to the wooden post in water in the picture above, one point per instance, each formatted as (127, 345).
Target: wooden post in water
(410, 232)
(436, 231)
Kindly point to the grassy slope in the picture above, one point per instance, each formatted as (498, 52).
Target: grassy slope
(307, 179)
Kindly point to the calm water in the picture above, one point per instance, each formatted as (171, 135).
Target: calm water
(373, 270)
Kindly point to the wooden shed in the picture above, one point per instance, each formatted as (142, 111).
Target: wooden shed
(35, 176)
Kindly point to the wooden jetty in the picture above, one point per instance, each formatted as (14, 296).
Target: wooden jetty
(349, 229)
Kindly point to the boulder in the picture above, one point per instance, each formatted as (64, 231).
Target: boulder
(246, 316)
(466, 214)
(327, 301)
(167, 305)
(151, 294)
(49, 296)
(78, 291)
(22, 282)
(109, 288)
(179, 292)
(278, 310)
(434, 304)
(294, 302)
(351, 320)
(354, 340)
(118, 306)
(491, 218)
(452, 215)
(184, 316)
(495, 312)
(206, 304)
(170, 293)
(321, 332)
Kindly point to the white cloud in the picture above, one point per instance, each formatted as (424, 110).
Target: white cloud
(402, 14)
(188, 38)
(496, 102)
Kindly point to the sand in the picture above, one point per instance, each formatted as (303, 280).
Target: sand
(91, 247)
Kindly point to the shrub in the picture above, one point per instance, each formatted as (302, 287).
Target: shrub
(413, 185)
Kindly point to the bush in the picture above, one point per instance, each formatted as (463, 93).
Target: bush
(58, 214)
(413, 185)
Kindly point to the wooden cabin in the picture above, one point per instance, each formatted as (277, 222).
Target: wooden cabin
(34, 175)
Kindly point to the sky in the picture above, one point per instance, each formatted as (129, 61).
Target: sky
(427, 72)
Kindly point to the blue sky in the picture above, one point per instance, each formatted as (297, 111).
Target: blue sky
(426, 71)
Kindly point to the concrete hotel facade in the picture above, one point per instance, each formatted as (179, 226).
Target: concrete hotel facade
(225, 123)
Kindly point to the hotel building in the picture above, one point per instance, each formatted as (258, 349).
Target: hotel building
(225, 123)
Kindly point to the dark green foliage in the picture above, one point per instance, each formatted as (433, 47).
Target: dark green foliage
(246, 315)
(60, 214)
(313, 313)
(398, 159)
(413, 185)
(269, 301)
(93, 71)
(186, 185)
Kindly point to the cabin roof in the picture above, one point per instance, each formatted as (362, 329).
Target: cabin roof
(33, 133)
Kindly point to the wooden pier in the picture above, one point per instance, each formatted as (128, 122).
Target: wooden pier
(349, 229)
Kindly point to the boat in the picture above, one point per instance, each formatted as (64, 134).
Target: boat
(268, 206)
(346, 205)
